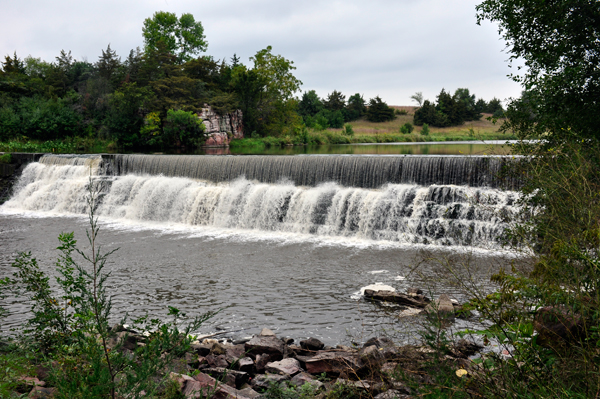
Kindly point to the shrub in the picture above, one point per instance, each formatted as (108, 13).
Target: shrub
(406, 128)
(6, 158)
(425, 130)
(379, 111)
(348, 131)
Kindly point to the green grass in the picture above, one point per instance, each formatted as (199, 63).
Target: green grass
(60, 146)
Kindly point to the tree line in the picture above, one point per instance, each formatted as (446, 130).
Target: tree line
(150, 98)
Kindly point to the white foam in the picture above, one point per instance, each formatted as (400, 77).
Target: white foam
(377, 287)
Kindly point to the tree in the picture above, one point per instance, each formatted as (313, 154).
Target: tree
(249, 87)
(356, 107)
(558, 43)
(183, 37)
(310, 104)
(108, 65)
(418, 97)
(336, 101)
(277, 72)
(379, 111)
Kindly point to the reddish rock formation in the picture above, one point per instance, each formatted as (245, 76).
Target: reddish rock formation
(221, 129)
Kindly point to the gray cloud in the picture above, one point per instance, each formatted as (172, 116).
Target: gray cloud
(389, 48)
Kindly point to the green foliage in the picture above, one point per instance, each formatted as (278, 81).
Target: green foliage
(356, 107)
(183, 36)
(556, 42)
(6, 158)
(183, 129)
(348, 131)
(336, 101)
(379, 111)
(425, 130)
(276, 72)
(450, 110)
(15, 363)
(310, 104)
(407, 128)
(39, 118)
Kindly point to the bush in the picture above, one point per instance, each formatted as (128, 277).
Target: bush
(407, 128)
(6, 158)
(379, 111)
(348, 131)
(425, 130)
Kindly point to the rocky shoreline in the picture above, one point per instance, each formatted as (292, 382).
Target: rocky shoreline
(248, 368)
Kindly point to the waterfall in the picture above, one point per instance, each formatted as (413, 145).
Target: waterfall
(310, 170)
(392, 199)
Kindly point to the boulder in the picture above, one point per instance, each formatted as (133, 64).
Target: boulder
(312, 344)
(442, 307)
(557, 324)
(289, 366)
(333, 362)
(245, 364)
(203, 385)
(263, 381)
(234, 352)
(249, 392)
(265, 345)
(217, 361)
(417, 301)
(265, 332)
(201, 349)
(261, 361)
(384, 345)
(305, 378)
(231, 377)
(371, 355)
(180, 379)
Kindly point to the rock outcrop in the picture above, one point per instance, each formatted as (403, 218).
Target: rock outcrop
(221, 129)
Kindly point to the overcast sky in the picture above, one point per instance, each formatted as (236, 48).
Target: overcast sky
(390, 48)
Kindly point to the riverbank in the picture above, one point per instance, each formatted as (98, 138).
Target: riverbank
(267, 366)
(329, 137)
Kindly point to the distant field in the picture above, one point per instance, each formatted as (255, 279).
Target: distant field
(481, 129)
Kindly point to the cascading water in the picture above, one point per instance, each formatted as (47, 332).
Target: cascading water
(309, 170)
(383, 203)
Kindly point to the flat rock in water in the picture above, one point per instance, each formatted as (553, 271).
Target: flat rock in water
(333, 362)
(416, 301)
